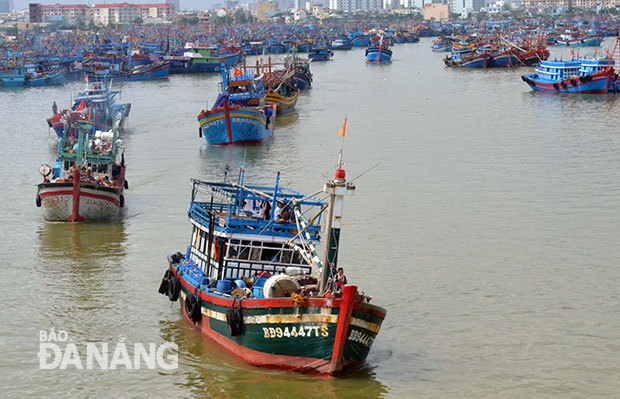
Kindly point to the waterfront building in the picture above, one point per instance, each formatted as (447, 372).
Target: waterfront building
(584, 4)
(355, 5)
(101, 14)
(436, 12)
(263, 8)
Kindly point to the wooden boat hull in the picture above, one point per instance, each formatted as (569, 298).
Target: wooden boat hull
(378, 55)
(58, 201)
(303, 81)
(52, 79)
(245, 125)
(580, 42)
(284, 104)
(148, 73)
(322, 336)
(179, 65)
(600, 83)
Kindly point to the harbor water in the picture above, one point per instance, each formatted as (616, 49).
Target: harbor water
(489, 231)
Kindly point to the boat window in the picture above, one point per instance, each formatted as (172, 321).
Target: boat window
(244, 252)
(255, 254)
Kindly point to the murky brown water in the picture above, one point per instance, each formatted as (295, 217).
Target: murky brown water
(489, 232)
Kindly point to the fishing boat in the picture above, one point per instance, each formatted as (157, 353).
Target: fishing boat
(580, 40)
(595, 76)
(379, 52)
(199, 58)
(281, 90)
(30, 76)
(239, 114)
(320, 52)
(122, 72)
(87, 181)
(97, 104)
(303, 76)
(251, 279)
(341, 44)
(533, 57)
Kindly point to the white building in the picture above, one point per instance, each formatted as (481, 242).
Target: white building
(299, 15)
(355, 5)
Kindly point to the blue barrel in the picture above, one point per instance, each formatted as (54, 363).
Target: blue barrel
(223, 286)
(257, 290)
(205, 281)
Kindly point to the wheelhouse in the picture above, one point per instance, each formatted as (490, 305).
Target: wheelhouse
(236, 232)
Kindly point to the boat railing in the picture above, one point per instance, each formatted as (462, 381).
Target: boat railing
(236, 209)
(234, 223)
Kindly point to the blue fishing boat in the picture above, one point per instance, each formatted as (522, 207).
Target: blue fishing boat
(379, 52)
(320, 52)
(153, 71)
(341, 44)
(595, 76)
(30, 76)
(239, 114)
(359, 40)
(276, 48)
(12, 76)
(95, 104)
(570, 39)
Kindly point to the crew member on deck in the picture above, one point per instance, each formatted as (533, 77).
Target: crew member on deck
(341, 280)
(55, 108)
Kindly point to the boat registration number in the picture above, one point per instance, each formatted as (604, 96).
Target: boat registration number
(360, 338)
(302, 331)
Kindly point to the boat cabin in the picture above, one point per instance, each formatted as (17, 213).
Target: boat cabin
(591, 67)
(97, 153)
(558, 70)
(238, 231)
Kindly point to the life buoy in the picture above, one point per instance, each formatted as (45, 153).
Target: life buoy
(174, 288)
(192, 308)
(163, 287)
(38, 201)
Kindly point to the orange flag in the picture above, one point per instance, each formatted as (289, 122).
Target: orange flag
(81, 106)
(344, 126)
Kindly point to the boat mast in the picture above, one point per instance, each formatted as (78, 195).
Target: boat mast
(336, 189)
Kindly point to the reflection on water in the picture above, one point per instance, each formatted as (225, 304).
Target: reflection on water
(80, 241)
(80, 265)
(210, 371)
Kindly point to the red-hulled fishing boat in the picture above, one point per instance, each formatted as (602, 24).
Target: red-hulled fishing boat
(252, 281)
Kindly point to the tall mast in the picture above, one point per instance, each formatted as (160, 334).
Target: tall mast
(336, 189)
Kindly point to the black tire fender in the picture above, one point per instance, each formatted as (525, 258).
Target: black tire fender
(163, 286)
(192, 308)
(174, 288)
(234, 320)
(121, 201)
(38, 201)
(126, 185)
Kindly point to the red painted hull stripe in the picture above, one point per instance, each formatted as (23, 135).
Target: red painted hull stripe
(82, 194)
